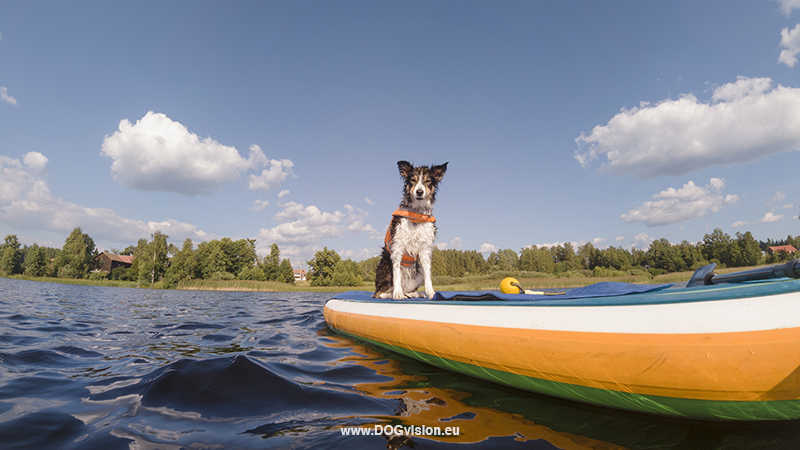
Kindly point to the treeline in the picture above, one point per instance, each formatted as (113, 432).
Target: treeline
(158, 262)
(587, 260)
(155, 261)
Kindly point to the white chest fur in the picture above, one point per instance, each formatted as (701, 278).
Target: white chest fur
(413, 238)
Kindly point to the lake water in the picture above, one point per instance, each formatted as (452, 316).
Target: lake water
(107, 368)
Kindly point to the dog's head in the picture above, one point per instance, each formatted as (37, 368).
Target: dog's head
(419, 191)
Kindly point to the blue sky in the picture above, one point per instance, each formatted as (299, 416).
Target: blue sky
(614, 122)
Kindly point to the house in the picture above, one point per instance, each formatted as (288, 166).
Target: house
(109, 261)
(781, 248)
(299, 275)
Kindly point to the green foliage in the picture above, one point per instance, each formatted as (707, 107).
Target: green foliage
(99, 275)
(285, 272)
(151, 257)
(36, 263)
(322, 267)
(216, 276)
(275, 269)
(122, 274)
(252, 274)
(368, 268)
(183, 265)
(347, 273)
(271, 263)
(76, 258)
(457, 263)
(11, 256)
(505, 259)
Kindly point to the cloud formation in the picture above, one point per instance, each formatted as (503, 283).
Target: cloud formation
(27, 203)
(790, 41)
(302, 228)
(159, 154)
(788, 5)
(271, 178)
(769, 217)
(688, 203)
(745, 121)
(7, 98)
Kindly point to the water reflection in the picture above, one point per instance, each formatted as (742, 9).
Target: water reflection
(484, 411)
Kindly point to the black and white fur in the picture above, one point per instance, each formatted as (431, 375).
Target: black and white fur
(392, 279)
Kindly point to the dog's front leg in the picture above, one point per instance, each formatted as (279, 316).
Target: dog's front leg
(397, 276)
(425, 262)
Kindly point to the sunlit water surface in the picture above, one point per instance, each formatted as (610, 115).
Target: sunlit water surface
(106, 368)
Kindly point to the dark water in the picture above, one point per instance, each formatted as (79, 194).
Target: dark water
(107, 368)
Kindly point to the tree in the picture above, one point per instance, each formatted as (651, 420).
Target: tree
(536, 259)
(717, 247)
(76, 258)
(36, 261)
(663, 255)
(271, 263)
(322, 267)
(285, 272)
(11, 261)
(241, 253)
(505, 259)
(152, 257)
(346, 273)
(183, 264)
(749, 250)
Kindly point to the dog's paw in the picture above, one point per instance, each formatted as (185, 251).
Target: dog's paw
(398, 295)
(429, 294)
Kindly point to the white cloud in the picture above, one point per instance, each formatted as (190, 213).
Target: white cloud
(775, 199)
(271, 178)
(642, 241)
(688, 203)
(7, 98)
(769, 217)
(788, 5)
(159, 154)
(599, 242)
(487, 248)
(368, 201)
(283, 193)
(302, 228)
(26, 202)
(619, 239)
(259, 205)
(790, 41)
(745, 121)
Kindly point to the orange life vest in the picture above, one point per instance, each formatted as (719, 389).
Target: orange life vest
(408, 260)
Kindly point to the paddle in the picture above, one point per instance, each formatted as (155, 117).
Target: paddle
(705, 275)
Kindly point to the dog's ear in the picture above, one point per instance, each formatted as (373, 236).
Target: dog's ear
(438, 171)
(405, 168)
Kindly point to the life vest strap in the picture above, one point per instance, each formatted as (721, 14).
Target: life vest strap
(408, 260)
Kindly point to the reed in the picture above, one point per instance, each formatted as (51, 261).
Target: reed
(80, 282)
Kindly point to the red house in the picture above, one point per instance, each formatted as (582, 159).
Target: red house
(109, 261)
(781, 248)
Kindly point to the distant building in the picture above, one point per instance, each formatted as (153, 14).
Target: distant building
(781, 248)
(299, 275)
(109, 261)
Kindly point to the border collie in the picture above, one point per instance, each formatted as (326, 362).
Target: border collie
(406, 259)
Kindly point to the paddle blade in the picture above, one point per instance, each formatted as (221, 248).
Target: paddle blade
(700, 275)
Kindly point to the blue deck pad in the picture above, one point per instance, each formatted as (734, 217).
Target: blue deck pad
(603, 289)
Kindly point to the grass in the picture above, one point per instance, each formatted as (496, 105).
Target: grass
(80, 282)
(463, 284)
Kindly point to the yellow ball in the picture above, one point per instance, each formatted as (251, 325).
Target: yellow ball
(510, 286)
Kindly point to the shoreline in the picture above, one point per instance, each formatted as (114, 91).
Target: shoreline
(553, 282)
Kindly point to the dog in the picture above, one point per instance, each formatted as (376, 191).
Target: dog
(406, 258)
